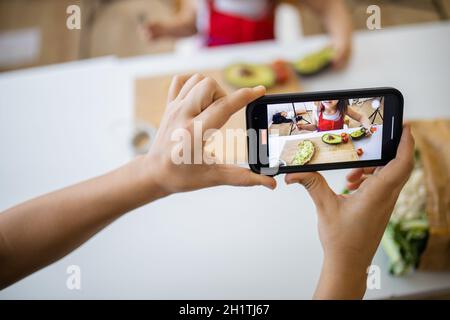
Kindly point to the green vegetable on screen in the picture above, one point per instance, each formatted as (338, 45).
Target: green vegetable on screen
(329, 138)
(358, 134)
(304, 153)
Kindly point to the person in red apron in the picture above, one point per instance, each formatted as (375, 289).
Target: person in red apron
(228, 28)
(334, 120)
(331, 114)
(224, 22)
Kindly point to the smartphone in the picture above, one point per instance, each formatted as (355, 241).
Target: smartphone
(323, 130)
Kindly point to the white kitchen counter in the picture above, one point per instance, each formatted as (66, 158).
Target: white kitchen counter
(65, 123)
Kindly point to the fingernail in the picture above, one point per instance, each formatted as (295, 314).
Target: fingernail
(260, 87)
(270, 186)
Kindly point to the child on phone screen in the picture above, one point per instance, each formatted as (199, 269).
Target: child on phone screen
(330, 115)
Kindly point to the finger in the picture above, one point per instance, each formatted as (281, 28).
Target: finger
(377, 170)
(221, 110)
(203, 94)
(177, 83)
(150, 31)
(397, 171)
(190, 83)
(355, 185)
(237, 176)
(337, 60)
(341, 57)
(337, 64)
(142, 32)
(356, 174)
(316, 186)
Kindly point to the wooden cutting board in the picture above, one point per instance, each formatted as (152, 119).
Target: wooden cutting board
(324, 153)
(151, 95)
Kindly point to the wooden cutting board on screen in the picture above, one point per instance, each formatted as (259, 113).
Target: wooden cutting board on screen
(151, 96)
(324, 153)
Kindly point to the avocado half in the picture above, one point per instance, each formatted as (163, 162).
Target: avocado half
(315, 62)
(249, 75)
(331, 138)
(358, 134)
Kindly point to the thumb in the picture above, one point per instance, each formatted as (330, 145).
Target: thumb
(316, 185)
(237, 176)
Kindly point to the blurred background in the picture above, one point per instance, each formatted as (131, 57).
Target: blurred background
(109, 26)
(75, 103)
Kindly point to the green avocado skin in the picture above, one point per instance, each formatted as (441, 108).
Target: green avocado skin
(336, 138)
(258, 75)
(358, 134)
(314, 63)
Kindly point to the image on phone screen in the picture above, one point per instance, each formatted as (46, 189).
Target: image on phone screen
(326, 131)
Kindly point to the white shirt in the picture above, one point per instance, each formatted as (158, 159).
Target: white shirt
(247, 8)
(331, 117)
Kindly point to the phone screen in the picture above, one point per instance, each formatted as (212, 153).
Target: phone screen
(325, 131)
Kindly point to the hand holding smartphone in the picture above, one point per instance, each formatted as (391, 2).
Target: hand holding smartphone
(324, 130)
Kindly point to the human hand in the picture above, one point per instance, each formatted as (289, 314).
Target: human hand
(342, 47)
(58, 222)
(367, 128)
(198, 99)
(154, 30)
(351, 226)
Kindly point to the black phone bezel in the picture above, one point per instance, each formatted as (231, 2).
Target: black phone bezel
(256, 118)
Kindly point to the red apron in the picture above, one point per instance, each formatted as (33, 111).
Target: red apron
(327, 125)
(228, 29)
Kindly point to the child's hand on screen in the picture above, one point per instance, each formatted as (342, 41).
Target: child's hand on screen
(351, 226)
(368, 130)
